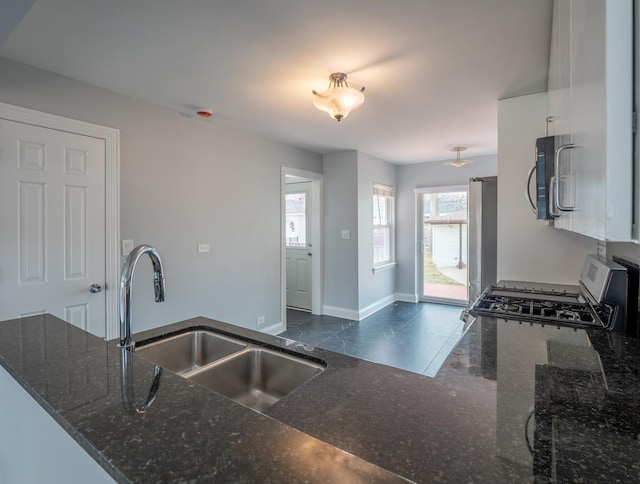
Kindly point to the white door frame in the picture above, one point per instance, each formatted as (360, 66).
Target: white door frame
(111, 138)
(306, 188)
(317, 276)
(419, 194)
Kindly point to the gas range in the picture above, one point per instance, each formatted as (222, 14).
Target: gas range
(537, 305)
(599, 301)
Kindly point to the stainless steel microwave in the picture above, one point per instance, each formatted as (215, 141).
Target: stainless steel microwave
(547, 203)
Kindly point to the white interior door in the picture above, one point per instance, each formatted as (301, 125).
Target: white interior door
(52, 204)
(298, 246)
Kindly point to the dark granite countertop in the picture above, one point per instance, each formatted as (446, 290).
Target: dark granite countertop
(512, 403)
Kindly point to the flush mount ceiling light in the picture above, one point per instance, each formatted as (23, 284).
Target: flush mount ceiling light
(340, 99)
(458, 162)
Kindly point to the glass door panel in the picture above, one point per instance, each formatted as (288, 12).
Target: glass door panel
(444, 246)
(296, 219)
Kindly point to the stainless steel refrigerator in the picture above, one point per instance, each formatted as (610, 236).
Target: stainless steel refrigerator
(483, 234)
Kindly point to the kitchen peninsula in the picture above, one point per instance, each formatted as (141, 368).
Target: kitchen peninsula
(512, 403)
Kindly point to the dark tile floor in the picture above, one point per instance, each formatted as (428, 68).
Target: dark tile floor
(415, 337)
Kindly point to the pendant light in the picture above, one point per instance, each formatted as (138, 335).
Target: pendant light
(458, 162)
(339, 99)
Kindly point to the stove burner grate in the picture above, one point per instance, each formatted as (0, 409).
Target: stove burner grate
(504, 307)
(535, 308)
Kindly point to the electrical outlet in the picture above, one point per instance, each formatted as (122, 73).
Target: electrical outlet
(203, 248)
(260, 320)
(346, 235)
(127, 247)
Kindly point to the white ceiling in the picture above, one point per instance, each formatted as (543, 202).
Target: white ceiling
(433, 69)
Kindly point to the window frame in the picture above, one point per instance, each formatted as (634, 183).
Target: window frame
(307, 214)
(386, 193)
(420, 193)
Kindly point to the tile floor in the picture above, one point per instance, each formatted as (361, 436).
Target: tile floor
(414, 337)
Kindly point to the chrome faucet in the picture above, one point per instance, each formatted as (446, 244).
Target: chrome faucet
(125, 289)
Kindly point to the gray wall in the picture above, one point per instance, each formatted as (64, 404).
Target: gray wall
(340, 213)
(183, 182)
(626, 249)
(12, 14)
(434, 174)
(372, 288)
(350, 285)
(529, 249)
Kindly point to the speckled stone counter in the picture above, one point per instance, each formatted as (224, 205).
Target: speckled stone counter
(512, 403)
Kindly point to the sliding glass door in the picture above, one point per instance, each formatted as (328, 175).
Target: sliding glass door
(442, 242)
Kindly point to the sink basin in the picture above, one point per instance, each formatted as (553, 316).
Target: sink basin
(257, 377)
(248, 373)
(189, 351)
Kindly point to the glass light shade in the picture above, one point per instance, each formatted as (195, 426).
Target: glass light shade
(340, 99)
(458, 163)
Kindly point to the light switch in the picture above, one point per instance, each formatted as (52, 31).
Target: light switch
(127, 247)
(203, 248)
(346, 235)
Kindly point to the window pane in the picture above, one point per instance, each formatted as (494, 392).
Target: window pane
(381, 245)
(380, 210)
(296, 220)
(382, 224)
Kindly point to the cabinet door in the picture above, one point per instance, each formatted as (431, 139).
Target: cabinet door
(601, 118)
(559, 99)
(636, 195)
(595, 176)
(559, 81)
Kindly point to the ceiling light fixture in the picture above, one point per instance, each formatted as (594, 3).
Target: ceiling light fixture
(458, 162)
(339, 99)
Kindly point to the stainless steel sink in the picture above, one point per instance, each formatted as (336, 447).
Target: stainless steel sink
(248, 373)
(257, 377)
(189, 351)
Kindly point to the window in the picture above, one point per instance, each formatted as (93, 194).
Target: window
(296, 219)
(383, 233)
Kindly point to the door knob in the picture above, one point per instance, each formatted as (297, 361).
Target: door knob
(95, 288)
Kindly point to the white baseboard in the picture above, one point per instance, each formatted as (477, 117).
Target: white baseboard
(358, 315)
(274, 329)
(406, 297)
(336, 312)
(376, 306)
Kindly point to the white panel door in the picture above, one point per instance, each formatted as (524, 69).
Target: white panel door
(298, 246)
(52, 208)
(299, 278)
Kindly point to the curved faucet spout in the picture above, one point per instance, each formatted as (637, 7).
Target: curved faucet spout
(125, 288)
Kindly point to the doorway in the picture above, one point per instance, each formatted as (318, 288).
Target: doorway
(298, 245)
(443, 244)
(59, 180)
(301, 241)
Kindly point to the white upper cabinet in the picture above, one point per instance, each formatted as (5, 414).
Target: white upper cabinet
(591, 104)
